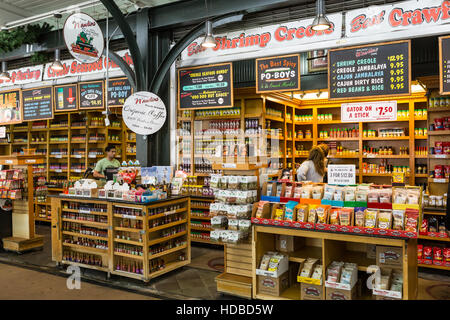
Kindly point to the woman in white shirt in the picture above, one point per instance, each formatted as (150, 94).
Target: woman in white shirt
(312, 169)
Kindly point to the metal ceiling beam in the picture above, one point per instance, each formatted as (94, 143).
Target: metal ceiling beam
(188, 12)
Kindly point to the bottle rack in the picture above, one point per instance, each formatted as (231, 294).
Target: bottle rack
(282, 146)
(143, 241)
(200, 215)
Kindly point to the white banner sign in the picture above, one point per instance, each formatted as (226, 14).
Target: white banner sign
(407, 15)
(342, 174)
(369, 111)
(144, 113)
(83, 38)
(23, 75)
(74, 68)
(287, 36)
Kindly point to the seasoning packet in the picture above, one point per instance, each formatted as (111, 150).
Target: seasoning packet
(359, 217)
(289, 213)
(322, 213)
(398, 219)
(302, 213)
(412, 217)
(259, 211)
(384, 219)
(345, 216)
(370, 218)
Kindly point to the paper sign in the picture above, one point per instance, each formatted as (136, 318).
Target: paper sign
(2, 132)
(342, 174)
(369, 111)
(144, 113)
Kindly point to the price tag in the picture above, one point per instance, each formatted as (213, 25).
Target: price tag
(30, 160)
(58, 156)
(440, 180)
(344, 174)
(77, 170)
(229, 165)
(9, 162)
(169, 212)
(78, 156)
(58, 170)
(84, 211)
(92, 156)
(440, 156)
(126, 216)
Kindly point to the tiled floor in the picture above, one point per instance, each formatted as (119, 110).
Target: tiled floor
(196, 281)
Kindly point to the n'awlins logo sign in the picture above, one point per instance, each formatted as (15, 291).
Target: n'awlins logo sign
(286, 35)
(409, 15)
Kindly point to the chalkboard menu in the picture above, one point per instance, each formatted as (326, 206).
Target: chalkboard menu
(91, 95)
(278, 74)
(37, 104)
(444, 65)
(118, 91)
(206, 87)
(65, 98)
(10, 107)
(382, 69)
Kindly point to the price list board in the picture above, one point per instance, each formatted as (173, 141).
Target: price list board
(118, 91)
(370, 71)
(65, 97)
(205, 87)
(37, 104)
(444, 65)
(91, 95)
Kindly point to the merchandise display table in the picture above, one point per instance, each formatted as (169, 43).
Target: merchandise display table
(329, 247)
(136, 240)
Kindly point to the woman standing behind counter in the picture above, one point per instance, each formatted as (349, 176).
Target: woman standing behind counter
(312, 169)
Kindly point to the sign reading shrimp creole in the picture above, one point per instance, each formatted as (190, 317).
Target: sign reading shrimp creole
(144, 113)
(83, 38)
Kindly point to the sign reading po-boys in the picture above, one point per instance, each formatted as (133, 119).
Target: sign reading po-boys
(278, 74)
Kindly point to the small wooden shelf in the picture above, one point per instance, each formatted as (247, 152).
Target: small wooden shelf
(219, 243)
(156, 216)
(338, 139)
(85, 248)
(439, 156)
(88, 223)
(385, 138)
(129, 217)
(167, 225)
(432, 266)
(439, 133)
(200, 228)
(159, 240)
(128, 229)
(87, 266)
(169, 267)
(131, 256)
(394, 156)
(166, 252)
(194, 217)
(273, 118)
(434, 238)
(439, 109)
(135, 243)
(80, 235)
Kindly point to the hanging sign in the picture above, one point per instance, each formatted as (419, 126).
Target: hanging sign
(10, 107)
(287, 36)
(65, 97)
(205, 87)
(23, 76)
(444, 65)
(369, 111)
(118, 91)
(83, 38)
(418, 17)
(91, 95)
(278, 74)
(370, 71)
(37, 104)
(342, 174)
(144, 113)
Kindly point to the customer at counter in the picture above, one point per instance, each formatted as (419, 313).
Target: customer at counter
(312, 169)
(109, 162)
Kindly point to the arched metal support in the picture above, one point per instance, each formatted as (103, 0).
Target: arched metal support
(129, 73)
(183, 43)
(118, 16)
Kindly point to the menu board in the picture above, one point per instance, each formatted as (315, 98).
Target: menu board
(37, 104)
(10, 107)
(65, 98)
(91, 95)
(206, 87)
(278, 74)
(382, 69)
(444, 65)
(118, 91)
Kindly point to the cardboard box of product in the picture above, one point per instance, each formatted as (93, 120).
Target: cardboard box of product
(273, 286)
(340, 294)
(389, 257)
(311, 291)
(287, 243)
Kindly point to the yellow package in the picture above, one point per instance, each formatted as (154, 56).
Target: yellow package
(312, 215)
(279, 214)
(302, 213)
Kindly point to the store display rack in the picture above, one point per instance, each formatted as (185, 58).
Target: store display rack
(140, 241)
(69, 144)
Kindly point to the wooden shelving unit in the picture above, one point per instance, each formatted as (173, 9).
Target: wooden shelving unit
(135, 248)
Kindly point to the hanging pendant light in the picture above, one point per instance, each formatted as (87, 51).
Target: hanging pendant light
(208, 41)
(321, 21)
(4, 75)
(57, 65)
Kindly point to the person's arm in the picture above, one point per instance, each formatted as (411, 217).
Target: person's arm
(97, 171)
(302, 171)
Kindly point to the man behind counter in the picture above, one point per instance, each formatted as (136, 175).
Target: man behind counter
(109, 162)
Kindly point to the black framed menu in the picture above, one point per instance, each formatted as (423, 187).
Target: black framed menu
(205, 87)
(91, 95)
(65, 97)
(278, 74)
(382, 69)
(444, 65)
(37, 104)
(118, 91)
